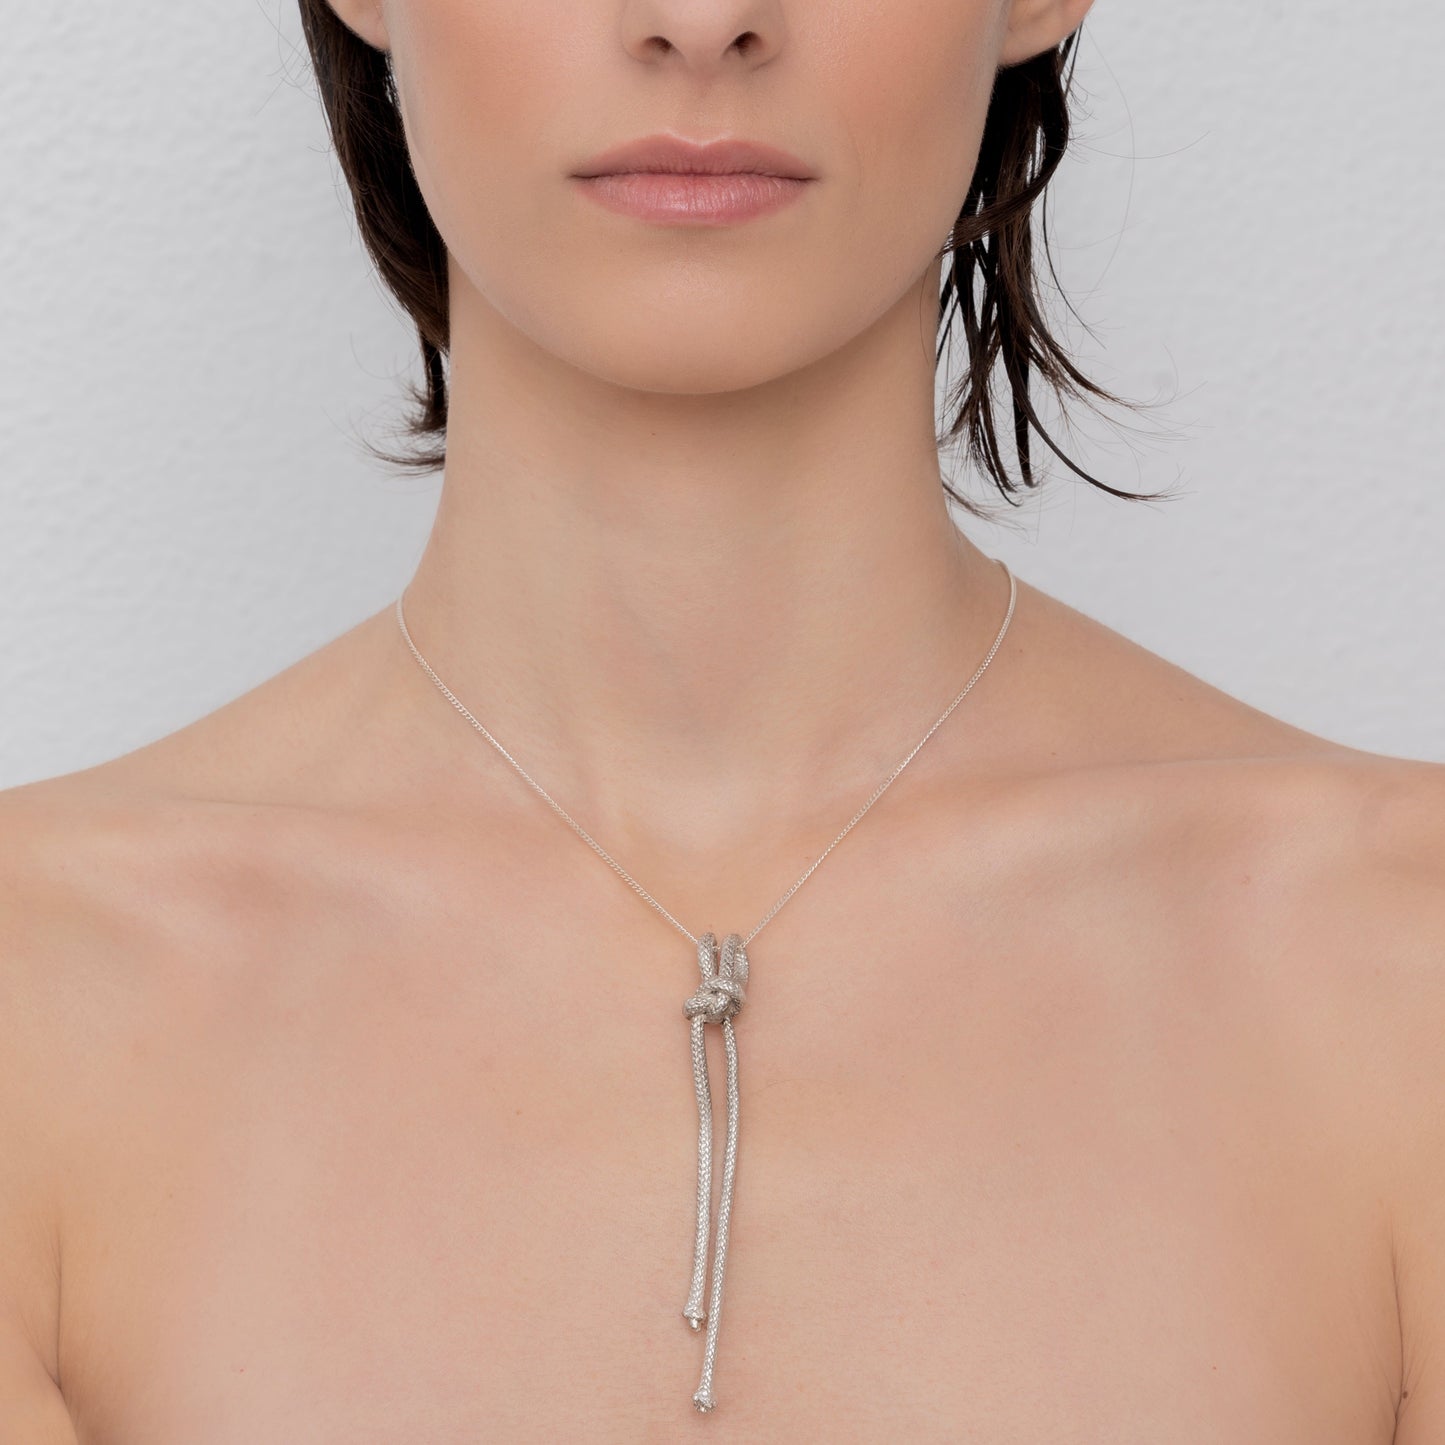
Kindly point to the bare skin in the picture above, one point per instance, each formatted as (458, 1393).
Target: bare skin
(1084, 1092)
(1092, 1087)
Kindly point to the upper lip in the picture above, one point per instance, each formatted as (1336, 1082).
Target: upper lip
(675, 154)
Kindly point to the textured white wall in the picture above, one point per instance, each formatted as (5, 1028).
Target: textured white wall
(1250, 225)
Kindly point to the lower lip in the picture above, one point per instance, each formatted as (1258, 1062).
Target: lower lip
(684, 199)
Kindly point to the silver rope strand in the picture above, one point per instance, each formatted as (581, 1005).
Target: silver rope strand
(719, 997)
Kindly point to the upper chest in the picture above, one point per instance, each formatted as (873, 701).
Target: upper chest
(1056, 1135)
(1043, 1177)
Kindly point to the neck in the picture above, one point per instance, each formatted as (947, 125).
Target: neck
(743, 607)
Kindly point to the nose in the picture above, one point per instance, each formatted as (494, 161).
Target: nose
(703, 35)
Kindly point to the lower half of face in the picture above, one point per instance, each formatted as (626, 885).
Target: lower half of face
(692, 284)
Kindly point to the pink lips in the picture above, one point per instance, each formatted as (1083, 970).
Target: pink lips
(666, 179)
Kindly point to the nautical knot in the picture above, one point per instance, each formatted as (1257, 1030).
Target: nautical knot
(716, 999)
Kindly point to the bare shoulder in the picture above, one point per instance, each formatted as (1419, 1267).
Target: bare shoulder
(1381, 916)
(1313, 871)
(91, 895)
(37, 1118)
(1307, 880)
(115, 902)
(134, 894)
(114, 872)
(1307, 826)
(1369, 947)
(142, 899)
(146, 905)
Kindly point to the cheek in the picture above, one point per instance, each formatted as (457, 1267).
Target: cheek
(477, 80)
(912, 86)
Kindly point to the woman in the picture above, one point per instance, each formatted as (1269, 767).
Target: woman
(1092, 1091)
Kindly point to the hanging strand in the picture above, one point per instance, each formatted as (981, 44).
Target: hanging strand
(720, 995)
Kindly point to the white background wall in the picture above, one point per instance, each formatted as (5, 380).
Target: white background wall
(191, 334)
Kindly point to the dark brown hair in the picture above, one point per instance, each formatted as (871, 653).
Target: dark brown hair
(989, 278)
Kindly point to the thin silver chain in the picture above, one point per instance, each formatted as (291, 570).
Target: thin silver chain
(612, 863)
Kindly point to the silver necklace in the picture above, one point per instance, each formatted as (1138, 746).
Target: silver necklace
(719, 997)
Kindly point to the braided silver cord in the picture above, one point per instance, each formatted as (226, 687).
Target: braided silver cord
(693, 1311)
(719, 997)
